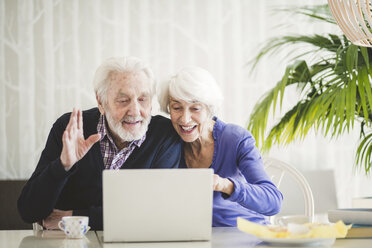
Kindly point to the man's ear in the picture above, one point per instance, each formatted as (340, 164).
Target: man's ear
(100, 105)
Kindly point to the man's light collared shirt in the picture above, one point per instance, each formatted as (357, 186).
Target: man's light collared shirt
(113, 159)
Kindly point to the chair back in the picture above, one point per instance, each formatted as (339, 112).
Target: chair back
(278, 171)
(9, 216)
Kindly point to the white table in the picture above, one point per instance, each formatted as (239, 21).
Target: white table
(43, 239)
(222, 237)
(226, 237)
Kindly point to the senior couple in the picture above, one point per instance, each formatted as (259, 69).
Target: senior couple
(122, 134)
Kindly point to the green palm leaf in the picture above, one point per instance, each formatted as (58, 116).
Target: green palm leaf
(363, 155)
(334, 89)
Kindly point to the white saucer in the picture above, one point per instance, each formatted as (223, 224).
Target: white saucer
(299, 242)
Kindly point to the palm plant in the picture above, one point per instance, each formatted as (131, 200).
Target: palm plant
(335, 89)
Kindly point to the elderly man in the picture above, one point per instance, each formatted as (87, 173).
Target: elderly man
(68, 177)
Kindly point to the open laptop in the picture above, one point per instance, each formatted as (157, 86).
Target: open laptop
(144, 205)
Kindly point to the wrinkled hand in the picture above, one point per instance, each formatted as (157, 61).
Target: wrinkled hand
(74, 144)
(51, 222)
(222, 184)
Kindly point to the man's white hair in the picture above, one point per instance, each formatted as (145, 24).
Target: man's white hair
(129, 64)
(192, 84)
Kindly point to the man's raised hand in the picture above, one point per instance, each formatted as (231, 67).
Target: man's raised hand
(74, 144)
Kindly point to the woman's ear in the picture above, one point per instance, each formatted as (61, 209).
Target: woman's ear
(211, 112)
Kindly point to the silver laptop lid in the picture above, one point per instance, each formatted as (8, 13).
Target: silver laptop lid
(157, 205)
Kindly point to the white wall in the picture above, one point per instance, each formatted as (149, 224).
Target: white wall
(49, 50)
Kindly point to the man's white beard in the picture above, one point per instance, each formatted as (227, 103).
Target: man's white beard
(125, 135)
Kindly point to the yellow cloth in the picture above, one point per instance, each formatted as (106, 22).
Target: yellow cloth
(309, 230)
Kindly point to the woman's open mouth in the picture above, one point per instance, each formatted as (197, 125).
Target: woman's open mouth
(187, 129)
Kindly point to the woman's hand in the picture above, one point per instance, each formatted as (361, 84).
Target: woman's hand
(222, 184)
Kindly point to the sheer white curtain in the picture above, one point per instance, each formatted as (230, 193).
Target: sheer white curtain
(49, 50)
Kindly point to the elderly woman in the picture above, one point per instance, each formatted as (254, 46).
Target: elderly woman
(241, 186)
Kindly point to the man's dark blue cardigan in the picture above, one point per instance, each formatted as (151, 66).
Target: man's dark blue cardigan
(80, 189)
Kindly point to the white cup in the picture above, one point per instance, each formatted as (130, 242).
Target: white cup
(75, 227)
(294, 219)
